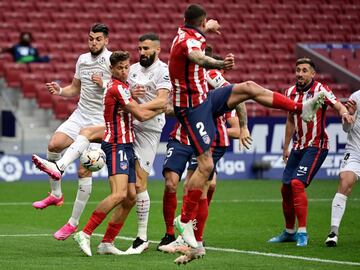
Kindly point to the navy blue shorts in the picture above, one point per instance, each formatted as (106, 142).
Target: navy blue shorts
(199, 122)
(177, 155)
(303, 164)
(120, 159)
(217, 154)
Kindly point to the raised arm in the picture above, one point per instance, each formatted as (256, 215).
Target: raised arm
(207, 62)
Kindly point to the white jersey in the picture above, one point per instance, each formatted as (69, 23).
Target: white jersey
(152, 78)
(353, 139)
(91, 95)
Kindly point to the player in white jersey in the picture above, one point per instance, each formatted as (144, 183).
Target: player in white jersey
(91, 76)
(150, 82)
(349, 169)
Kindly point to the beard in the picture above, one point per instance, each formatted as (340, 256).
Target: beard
(96, 53)
(147, 61)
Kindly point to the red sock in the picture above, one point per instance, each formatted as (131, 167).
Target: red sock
(201, 217)
(189, 209)
(300, 201)
(282, 102)
(112, 231)
(94, 221)
(210, 194)
(169, 209)
(288, 206)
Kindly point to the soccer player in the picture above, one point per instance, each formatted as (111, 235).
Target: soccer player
(180, 151)
(91, 75)
(150, 84)
(309, 151)
(119, 107)
(193, 103)
(152, 75)
(349, 170)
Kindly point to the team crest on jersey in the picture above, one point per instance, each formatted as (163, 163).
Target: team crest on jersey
(166, 78)
(309, 95)
(206, 139)
(151, 75)
(102, 60)
(133, 75)
(123, 165)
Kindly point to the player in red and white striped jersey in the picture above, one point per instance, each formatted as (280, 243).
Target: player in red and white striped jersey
(120, 158)
(309, 151)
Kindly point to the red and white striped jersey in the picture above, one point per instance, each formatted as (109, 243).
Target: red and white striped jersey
(119, 124)
(187, 78)
(313, 133)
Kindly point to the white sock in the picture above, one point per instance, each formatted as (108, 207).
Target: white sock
(337, 211)
(291, 231)
(301, 230)
(55, 185)
(82, 196)
(142, 210)
(73, 152)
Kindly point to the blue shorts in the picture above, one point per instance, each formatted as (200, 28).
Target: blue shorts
(303, 164)
(177, 155)
(120, 159)
(199, 122)
(217, 154)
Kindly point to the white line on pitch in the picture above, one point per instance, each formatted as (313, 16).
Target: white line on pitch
(229, 250)
(213, 201)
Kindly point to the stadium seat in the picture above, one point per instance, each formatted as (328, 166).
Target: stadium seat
(31, 86)
(60, 108)
(354, 65)
(12, 73)
(283, 9)
(41, 67)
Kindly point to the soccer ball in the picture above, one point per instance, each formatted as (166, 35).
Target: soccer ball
(93, 159)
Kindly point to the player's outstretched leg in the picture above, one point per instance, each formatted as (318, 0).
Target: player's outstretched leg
(311, 106)
(48, 167)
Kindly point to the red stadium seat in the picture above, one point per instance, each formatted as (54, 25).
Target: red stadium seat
(353, 38)
(283, 9)
(258, 68)
(331, 9)
(61, 67)
(276, 19)
(43, 98)
(60, 108)
(29, 88)
(259, 8)
(333, 37)
(252, 18)
(12, 73)
(237, 8)
(48, 6)
(341, 55)
(324, 78)
(13, 16)
(37, 16)
(324, 19)
(340, 28)
(41, 67)
(262, 58)
(307, 8)
(348, 19)
(259, 38)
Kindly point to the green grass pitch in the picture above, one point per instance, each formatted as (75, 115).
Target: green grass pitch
(243, 216)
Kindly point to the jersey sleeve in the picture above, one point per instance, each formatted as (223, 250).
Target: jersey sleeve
(216, 79)
(355, 97)
(77, 69)
(230, 114)
(192, 44)
(163, 80)
(122, 94)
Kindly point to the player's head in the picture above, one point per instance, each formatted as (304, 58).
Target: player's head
(195, 15)
(98, 38)
(305, 71)
(120, 65)
(149, 49)
(25, 38)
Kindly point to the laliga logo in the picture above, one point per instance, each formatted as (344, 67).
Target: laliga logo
(10, 169)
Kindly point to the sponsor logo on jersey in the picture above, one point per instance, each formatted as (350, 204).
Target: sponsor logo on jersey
(123, 165)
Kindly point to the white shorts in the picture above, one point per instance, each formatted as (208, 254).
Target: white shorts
(351, 162)
(77, 121)
(145, 147)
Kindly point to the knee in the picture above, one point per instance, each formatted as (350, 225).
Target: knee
(82, 172)
(297, 186)
(53, 146)
(212, 186)
(118, 197)
(170, 185)
(206, 168)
